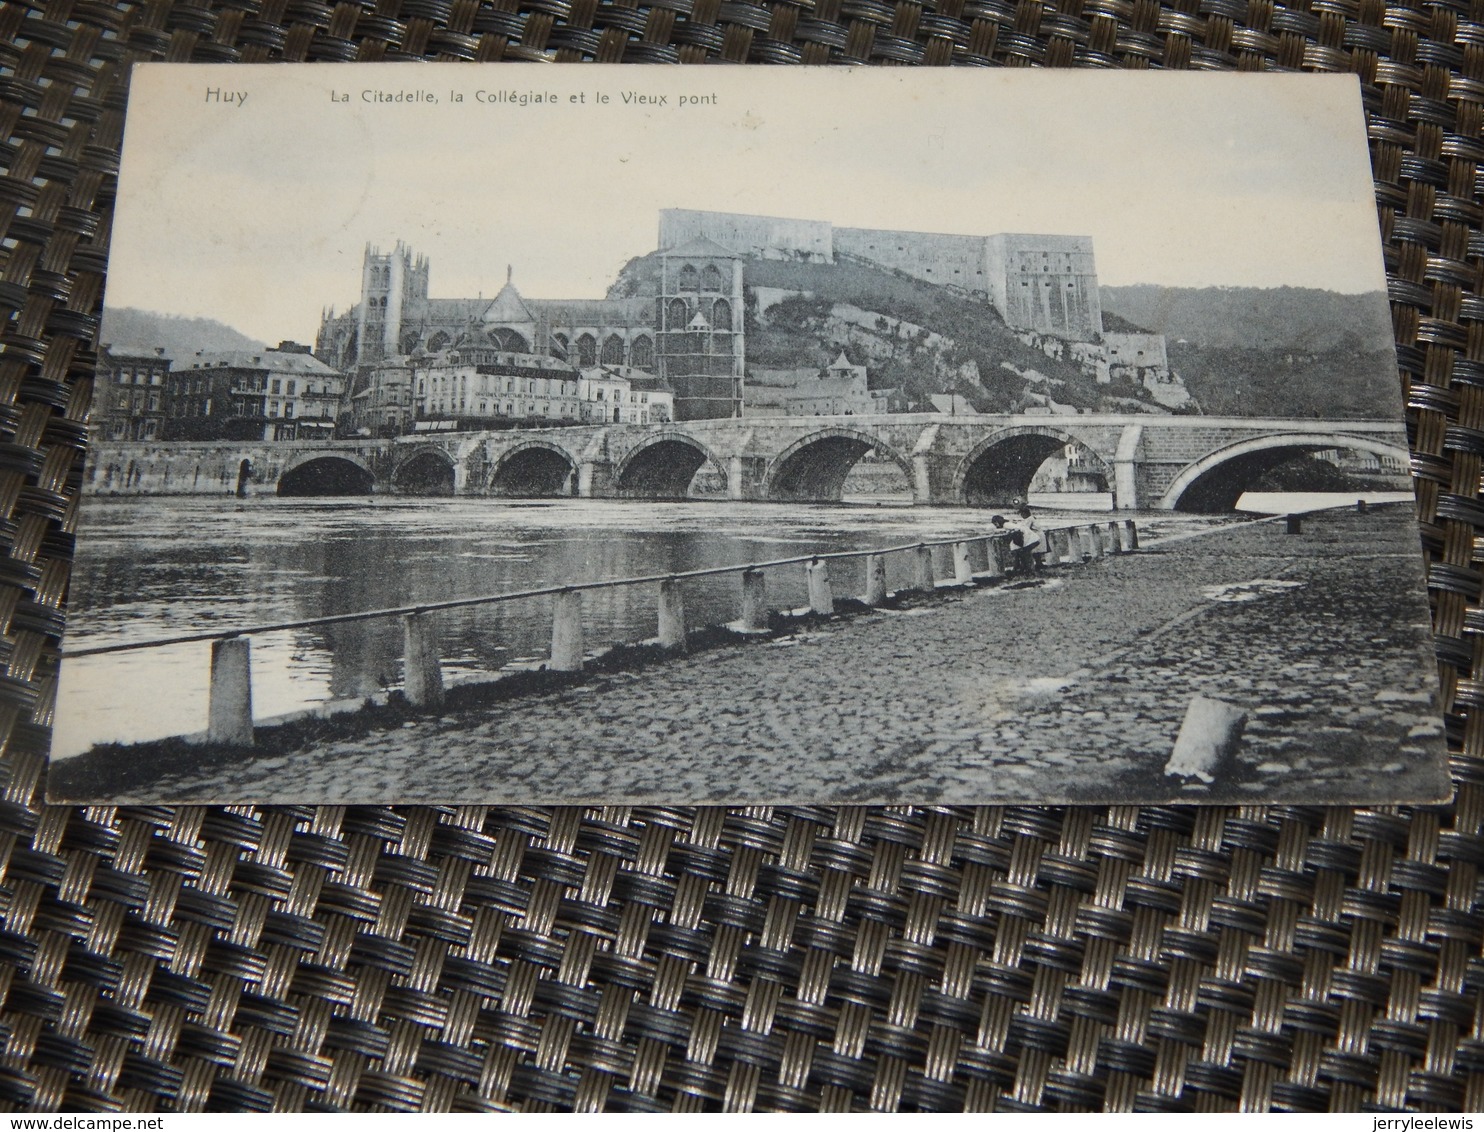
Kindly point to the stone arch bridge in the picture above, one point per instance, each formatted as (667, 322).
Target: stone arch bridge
(1148, 462)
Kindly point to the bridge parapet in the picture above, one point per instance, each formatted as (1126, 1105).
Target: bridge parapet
(1149, 461)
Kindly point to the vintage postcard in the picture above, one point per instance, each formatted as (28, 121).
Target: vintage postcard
(489, 434)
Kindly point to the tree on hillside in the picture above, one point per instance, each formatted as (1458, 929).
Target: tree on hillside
(1240, 382)
(799, 314)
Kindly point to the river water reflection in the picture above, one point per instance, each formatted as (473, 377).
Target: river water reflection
(156, 567)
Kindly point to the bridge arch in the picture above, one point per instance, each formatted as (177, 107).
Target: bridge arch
(1000, 467)
(426, 470)
(326, 473)
(534, 468)
(663, 466)
(1217, 480)
(813, 468)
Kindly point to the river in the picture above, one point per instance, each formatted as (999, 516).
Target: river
(154, 567)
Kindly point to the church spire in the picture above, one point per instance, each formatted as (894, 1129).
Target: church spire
(509, 272)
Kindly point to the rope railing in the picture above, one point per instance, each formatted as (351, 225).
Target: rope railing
(975, 558)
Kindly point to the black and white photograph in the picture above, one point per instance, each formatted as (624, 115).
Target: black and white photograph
(694, 435)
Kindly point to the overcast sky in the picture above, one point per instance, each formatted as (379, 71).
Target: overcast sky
(256, 212)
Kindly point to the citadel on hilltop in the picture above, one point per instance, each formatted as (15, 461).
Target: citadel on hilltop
(685, 326)
(1042, 283)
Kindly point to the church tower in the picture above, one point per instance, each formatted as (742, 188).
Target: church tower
(390, 284)
(700, 348)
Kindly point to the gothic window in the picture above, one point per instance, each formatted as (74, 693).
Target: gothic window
(641, 353)
(612, 351)
(438, 342)
(676, 315)
(587, 350)
(721, 315)
(506, 339)
(559, 346)
(711, 278)
(409, 341)
(689, 278)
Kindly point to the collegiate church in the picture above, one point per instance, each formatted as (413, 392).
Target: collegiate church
(688, 329)
(395, 316)
(689, 334)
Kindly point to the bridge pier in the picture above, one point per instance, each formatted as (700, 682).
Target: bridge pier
(745, 476)
(1126, 494)
(932, 480)
(594, 479)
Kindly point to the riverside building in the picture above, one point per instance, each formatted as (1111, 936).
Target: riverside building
(494, 389)
(280, 394)
(623, 395)
(129, 395)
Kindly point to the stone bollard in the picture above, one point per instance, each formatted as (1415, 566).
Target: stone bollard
(922, 569)
(875, 580)
(1209, 737)
(229, 707)
(422, 672)
(1094, 540)
(963, 570)
(1360, 506)
(1131, 535)
(566, 632)
(1048, 550)
(979, 555)
(1295, 525)
(754, 602)
(999, 551)
(817, 574)
(672, 615)
(1056, 542)
(1115, 539)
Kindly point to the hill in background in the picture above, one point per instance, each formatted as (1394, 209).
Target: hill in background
(1281, 351)
(131, 329)
(1337, 384)
(1272, 318)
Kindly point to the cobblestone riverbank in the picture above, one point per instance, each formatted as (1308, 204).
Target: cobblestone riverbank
(1070, 687)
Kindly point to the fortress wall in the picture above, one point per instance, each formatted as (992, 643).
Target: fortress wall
(767, 237)
(1137, 351)
(1046, 283)
(948, 260)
